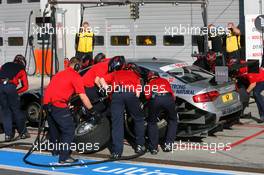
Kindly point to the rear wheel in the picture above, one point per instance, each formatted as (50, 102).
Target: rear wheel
(91, 138)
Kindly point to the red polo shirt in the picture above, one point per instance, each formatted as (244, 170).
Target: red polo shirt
(98, 70)
(21, 76)
(123, 79)
(256, 77)
(62, 86)
(158, 85)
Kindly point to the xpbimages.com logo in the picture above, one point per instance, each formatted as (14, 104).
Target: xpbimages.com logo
(191, 146)
(147, 89)
(79, 147)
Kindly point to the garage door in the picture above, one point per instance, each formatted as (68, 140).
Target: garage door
(120, 38)
(14, 39)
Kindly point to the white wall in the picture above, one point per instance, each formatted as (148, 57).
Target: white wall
(253, 6)
(72, 22)
(253, 46)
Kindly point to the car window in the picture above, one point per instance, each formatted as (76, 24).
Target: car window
(190, 74)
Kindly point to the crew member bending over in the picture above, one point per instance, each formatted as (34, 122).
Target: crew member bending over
(257, 85)
(124, 85)
(56, 98)
(160, 96)
(11, 74)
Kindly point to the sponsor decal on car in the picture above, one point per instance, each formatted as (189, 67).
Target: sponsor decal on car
(173, 66)
(181, 89)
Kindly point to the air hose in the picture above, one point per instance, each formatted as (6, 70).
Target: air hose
(30, 43)
(31, 150)
(41, 127)
(39, 139)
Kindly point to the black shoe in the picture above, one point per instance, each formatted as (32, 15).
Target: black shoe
(167, 148)
(140, 149)
(1, 129)
(9, 138)
(55, 153)
(69, 160)
(115, 156)
(153, 151)
(260, 121)
(25, 135)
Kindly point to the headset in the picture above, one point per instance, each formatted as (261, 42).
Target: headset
(77, 67)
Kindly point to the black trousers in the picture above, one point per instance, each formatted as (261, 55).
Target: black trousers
(120, 102)
(235, 55)
(11, 110)
(61, 131)
(259, 98)
(155, 106)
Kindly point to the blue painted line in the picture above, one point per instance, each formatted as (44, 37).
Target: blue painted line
(12, 158)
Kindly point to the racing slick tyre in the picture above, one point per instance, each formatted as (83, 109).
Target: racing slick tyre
(90, 138)
(33, 112)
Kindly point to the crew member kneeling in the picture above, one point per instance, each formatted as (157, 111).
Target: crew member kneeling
(160, 96)
(61, 125)
(11, 74)
(125, 95)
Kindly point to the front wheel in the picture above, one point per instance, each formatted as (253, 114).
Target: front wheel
(91, 138)
(33, 112)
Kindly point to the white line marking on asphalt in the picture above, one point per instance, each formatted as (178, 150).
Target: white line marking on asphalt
(30, 170)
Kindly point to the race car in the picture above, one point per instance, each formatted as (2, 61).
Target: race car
(203, 105)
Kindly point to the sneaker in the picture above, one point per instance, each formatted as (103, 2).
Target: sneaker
(9, 138)
(140, 149)
(69, 160)
(25, 135)
(153, 151)
(115, 156)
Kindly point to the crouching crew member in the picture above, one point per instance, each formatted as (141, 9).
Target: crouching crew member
(125, 95)
(61, 125)
(160, 96)
(11, 74)
(257, 85)
(91, 79)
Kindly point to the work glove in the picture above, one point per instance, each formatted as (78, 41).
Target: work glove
(94, 116)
